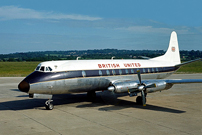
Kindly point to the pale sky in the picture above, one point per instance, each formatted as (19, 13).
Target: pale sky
(48, 25)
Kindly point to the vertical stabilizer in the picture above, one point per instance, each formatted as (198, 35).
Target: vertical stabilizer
(172, 54)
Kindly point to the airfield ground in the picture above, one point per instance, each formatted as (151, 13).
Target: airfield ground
(175, 111)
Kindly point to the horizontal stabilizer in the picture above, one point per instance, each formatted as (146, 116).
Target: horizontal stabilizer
(188, 62)
(145, 57)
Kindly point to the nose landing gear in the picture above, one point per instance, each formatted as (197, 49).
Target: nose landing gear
(49, 105)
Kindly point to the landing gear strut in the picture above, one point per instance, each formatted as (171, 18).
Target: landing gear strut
(49, 105)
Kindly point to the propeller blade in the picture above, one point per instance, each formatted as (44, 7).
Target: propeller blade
(139, 76)
(143, 98)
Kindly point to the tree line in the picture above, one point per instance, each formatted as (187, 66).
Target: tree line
(93, 54)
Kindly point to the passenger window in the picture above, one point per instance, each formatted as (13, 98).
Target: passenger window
(144, 70)
(83, 73)
(132, 71)
(148, 70)
(153, 70)
(108, 73)
(42, 68)
(157, 70)
(113, 72)
(120, 71)
(100, 72)
(126, 71)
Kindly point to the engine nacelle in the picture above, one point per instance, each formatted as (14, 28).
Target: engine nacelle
(160, 85)
(122, 87)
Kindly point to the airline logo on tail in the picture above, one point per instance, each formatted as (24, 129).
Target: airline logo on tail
(173, 49)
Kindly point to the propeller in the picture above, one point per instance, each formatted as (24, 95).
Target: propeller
(139, 76)
(142, 88)
(132, 91)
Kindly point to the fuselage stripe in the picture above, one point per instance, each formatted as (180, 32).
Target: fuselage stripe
(37, 76)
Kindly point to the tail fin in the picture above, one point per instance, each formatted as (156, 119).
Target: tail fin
(172, 54)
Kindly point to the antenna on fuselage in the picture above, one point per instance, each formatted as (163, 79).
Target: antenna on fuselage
(78, 58)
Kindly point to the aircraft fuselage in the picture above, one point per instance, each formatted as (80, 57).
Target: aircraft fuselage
(99, 78)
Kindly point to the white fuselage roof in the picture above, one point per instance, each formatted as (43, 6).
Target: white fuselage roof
(71, 65)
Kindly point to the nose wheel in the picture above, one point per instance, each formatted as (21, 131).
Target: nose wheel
(49, 105)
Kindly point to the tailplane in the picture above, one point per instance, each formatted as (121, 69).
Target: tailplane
(172, 54)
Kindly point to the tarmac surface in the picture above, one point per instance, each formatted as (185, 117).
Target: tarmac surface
(177, 111)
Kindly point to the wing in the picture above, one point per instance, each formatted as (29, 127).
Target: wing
(148, 86)
(181, 81)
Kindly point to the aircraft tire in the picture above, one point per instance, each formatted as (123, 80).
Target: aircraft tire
(49, 107)
(139, 100)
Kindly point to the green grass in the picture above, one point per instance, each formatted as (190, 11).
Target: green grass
(195, 67)
(17, 69)
(22, 69)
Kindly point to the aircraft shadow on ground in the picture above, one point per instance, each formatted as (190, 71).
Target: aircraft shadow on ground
(99, 102)
(119, 104)
(15, 90)
(128, 104)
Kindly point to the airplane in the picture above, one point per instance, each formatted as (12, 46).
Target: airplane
(130, 76)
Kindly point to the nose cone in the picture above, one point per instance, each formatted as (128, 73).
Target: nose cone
(24, 86)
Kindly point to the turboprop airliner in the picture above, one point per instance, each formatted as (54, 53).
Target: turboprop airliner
(130, 76)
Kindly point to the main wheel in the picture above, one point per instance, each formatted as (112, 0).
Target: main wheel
(139, 100)
(49, 107)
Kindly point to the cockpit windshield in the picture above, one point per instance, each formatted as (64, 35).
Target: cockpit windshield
(43, 69)
(48, 69)
(37, 68)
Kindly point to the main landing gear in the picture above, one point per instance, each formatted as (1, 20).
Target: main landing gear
(49, 105)
(139, 100)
